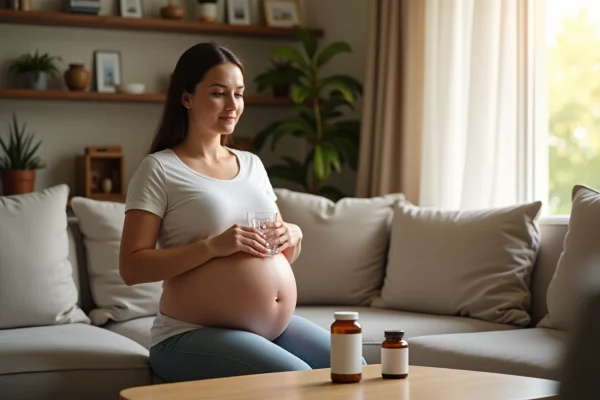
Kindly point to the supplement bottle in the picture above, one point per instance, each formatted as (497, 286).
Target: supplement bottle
(346, 348)
(394, 356)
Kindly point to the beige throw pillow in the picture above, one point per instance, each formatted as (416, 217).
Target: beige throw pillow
(36, 278)
(344, 246)
(578, 262)
(101, 224)
(474, 263)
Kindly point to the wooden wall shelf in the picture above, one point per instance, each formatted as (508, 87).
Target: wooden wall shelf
(142, 24)
(65, 95)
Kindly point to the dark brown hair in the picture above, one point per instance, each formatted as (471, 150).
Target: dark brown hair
(193, 64)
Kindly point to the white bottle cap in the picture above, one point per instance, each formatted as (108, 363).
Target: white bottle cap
(345, 315)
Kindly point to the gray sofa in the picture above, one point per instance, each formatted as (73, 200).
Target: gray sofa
(83, 361)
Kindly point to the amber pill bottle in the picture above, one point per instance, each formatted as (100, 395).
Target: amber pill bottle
(394, 356)
(346, 348)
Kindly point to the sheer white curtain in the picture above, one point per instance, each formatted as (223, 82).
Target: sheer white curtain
(469, 144)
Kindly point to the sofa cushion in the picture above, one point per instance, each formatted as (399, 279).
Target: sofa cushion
(66, 347)
(474, 263)
(77, 257)
(533, 352)
(343, 248)
(137, 329)
(579, 259)
(376, 321)
(101, 223)
(68, 362)
(36, 276)
(552, 230)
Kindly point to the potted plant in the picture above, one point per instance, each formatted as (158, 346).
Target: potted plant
(19, 161)
(319, 103)
(280, 76)
(208, 10)
(34, 69)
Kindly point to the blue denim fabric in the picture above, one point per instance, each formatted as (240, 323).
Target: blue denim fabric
(209, 352)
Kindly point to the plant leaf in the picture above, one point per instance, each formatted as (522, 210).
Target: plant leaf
(304, 110)
(290, 53)
(319, 163)
(308, 41)
(332, 157)
(350, 128)
(333, 102)
(261, 137)
(296, 126)
(347, 150)
(332, 50)
(300, 94)
(344, 84)
(290, 173)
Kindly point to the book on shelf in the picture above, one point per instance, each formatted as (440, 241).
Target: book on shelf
(81, 6)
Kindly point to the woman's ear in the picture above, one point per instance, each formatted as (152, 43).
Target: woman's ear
(186, 100)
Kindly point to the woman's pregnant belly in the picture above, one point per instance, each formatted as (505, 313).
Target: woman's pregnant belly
(240, 291)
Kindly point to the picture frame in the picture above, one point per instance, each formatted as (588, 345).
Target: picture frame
(130, 8)
(107, 66)
(282, 13)
(238, 12)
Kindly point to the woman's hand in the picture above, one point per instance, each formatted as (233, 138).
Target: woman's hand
(240, 238)
(283, 235)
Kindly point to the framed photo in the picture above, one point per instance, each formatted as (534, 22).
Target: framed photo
(130, 8)
(238, 12)
(282, 13)
(108, 70)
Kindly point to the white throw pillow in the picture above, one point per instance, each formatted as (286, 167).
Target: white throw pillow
(101, 224)
(344, 246)
(36, 277)
(474, 263)
(579, 262)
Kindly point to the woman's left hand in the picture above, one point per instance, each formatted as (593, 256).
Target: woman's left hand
(283, 235)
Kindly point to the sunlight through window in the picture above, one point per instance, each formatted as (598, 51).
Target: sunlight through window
(573, 57)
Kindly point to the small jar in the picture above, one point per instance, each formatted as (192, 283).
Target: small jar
(346, 348)
(394, 356)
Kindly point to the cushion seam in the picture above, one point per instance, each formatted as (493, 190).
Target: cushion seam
(139, 368)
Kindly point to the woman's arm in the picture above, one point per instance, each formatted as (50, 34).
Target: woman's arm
(294, 239)
(141, 262)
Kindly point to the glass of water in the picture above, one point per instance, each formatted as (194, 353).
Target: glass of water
(256, 219)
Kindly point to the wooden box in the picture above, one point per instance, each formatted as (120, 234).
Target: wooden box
(101, 173)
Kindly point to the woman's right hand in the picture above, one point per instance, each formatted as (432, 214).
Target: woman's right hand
(240, 238)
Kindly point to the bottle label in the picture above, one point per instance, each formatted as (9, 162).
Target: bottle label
(394, 361)
(346, 353)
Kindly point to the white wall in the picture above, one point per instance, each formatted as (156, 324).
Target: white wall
(343, 20)
(148, 57)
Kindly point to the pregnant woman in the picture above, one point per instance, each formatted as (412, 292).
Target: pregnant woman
(227, 308)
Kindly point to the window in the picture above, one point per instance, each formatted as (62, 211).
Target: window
(572, 75)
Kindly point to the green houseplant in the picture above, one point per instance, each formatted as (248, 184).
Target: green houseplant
(319, 103)
(35, 68)
(19, 161)
(280, 77)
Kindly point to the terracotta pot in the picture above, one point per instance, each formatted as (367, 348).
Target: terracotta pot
(281, 90)
(172, 11)
(77, 77)
(18, 182)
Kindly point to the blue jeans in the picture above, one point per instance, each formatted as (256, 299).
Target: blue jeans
(210, 352)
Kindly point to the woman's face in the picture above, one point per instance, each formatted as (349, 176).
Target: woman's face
(218, 102)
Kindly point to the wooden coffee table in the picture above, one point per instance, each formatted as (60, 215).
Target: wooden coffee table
(422, 383)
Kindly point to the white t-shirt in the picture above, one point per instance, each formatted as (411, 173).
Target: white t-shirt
(194, 207)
